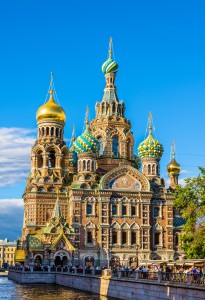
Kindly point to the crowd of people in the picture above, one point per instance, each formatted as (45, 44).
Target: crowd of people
(167, 273)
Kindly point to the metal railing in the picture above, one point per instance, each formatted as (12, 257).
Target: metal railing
(181, 278)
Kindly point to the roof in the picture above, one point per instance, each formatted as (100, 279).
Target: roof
(35, 243)
(19, 256)
(178, 222)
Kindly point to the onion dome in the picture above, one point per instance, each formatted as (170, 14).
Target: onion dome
(110, 66)
(173, 167)
(150, 147)
(51, 110)
(86, 142)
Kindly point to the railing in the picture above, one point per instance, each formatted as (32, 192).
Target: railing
(181, 278)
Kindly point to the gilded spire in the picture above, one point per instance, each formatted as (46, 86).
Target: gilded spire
(150, 123)
(86, 118)
(110, 48)
(173, 150)
(73, 134)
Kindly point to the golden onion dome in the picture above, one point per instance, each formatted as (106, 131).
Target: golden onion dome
(173, 167)
(51, 111)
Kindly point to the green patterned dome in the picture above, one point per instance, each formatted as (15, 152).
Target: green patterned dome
(86, 143)
(110, 66)
(150, 147)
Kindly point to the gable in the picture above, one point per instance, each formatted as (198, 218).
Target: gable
(125, 178)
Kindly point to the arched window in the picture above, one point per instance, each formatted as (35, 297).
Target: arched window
(42, 131)
(113, 108)
(89, 237)
(84, 165)
(51, 159)
(153, 169)
(124, 237)
(149, 169)
(89, 209)
(93, 165)
(124, 210)
(47, 130)
(133, 238)
(114, 237)
(114, 209)
(103, 108)
(88, 165)
(100, 140)
(57, 131)
(115, 146)
(157, 238)
(40, 159)
(52, 131)
(129, 149)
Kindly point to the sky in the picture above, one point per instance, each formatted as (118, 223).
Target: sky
(160, 49)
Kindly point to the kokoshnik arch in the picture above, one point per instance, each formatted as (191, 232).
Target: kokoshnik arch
(90, 203)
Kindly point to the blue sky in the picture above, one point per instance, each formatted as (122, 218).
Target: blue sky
(160, 49)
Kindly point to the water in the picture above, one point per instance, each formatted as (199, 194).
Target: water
(10, 290)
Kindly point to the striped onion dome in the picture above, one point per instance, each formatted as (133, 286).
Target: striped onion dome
(109, 66)
(86, 143)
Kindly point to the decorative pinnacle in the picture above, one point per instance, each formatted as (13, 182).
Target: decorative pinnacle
(73, 134)
(150, 123)
(86, 118)
(173, 150)
(51, 89)
(110, 48)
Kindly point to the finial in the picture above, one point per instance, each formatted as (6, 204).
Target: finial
(73, 134)
(86, 118)
(150, 123)
(173, 150)
(110, 48)
(51, 89)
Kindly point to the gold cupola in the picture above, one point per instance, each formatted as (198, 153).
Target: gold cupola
(51, 111)
(173, 167)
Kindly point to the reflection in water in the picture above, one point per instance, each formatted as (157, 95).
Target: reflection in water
(10, 290)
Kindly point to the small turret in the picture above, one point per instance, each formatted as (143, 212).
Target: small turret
(173, 169)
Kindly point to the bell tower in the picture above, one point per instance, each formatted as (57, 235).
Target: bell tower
(110, 127)
(49, 165)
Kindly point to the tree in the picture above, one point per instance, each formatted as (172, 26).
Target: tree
(190, 200)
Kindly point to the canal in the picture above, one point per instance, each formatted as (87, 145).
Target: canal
(11, 290)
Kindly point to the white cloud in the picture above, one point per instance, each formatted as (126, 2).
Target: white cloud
(184, 171)
(181, 182)
(11, 218)
(15, 148)
(9, 205)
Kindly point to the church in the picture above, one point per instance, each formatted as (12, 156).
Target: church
(96, 203)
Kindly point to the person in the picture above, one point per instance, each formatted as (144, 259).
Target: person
(199, 275)
(168, 272)
(144, 272)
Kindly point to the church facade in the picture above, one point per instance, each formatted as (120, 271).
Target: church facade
(92, 204)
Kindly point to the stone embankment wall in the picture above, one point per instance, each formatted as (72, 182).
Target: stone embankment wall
(117, 288)
(32, 277)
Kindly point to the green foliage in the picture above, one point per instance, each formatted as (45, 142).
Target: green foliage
(190, 200)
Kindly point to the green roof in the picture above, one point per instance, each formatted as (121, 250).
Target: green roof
(178, 221)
